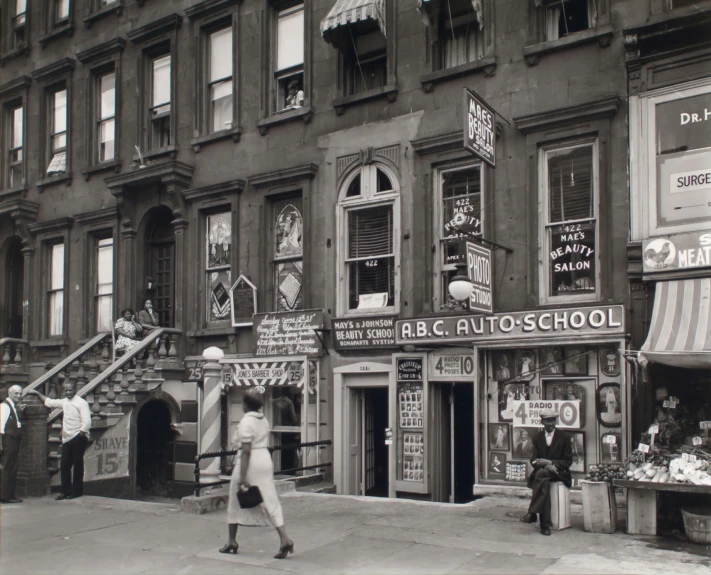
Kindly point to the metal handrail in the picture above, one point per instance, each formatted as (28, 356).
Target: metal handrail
(211, 454)
(118, 364)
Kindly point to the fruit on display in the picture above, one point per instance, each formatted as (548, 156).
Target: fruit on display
(606, 472)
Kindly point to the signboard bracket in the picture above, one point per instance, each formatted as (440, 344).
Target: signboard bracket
(484, 240)
(318, 333)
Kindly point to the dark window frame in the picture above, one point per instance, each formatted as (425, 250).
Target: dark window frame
(14, 94)
(276, 203)
(206, 212)
(47, 292)
(16, 29)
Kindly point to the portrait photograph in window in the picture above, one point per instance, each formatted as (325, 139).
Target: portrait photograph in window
(551, 360)
(508, 393)
(609, 357)
(609, 406)
(500, 436)
(576, 360)
(577, 444)
(525, 364)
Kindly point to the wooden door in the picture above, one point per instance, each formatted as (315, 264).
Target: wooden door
(441, 460)
(369, 443)
(161, 269)
(355, 441)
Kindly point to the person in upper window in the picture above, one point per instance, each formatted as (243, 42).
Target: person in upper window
(295, 96)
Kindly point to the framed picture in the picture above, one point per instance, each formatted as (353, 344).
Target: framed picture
(551, 359)
(567, 390)
(523, 438)
(611, 448)
(508, 393)
(503, 366)
(497, 465)
(609, 360)
(576, 360)
(609, 408)
(577, 442)
(499, 436)
(525, 365)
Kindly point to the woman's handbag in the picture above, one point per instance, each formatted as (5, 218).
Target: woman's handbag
(249, 498)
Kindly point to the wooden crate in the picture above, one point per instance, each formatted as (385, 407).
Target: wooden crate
(599, 507)
(560, 506)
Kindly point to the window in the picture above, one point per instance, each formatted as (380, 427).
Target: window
(569, 16)
(106, 117)
(58, 132)
(19, 24)
(289, 69)
(366, 62)
(288, 255)
(218, 266)
(460, 216)
(460, 39)
(370, 214)
(55, 293)
(15, 148)
(160, 101)
(219, 85)
(60, 12)
(104, 288)
(570, 222)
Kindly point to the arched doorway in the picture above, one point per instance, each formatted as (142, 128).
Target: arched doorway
(14, 288)
(160, 264)
(155, 451)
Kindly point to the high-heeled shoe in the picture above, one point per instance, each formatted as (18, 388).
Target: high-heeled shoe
(229, 548)
(284, 550)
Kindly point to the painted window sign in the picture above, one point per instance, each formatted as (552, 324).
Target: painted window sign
(288, 255)
(289, 226)
(219, 239)
(218, 257)
(461, 202)
(572, 253)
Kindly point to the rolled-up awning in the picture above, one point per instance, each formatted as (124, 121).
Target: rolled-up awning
(347, 12)
(424, 5)
(681, 320)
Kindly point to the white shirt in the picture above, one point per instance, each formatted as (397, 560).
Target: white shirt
(77, 416)
(549, 438)
(5, 414)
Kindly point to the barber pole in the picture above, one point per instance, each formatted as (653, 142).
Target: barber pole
(210, 439)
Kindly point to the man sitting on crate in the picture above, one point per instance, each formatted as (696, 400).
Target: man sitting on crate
(551, 460)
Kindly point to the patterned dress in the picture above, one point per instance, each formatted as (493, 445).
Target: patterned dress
(254, 429)
(123, 342)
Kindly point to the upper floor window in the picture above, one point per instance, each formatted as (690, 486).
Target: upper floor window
(55, 291)
(19, 24)
(366, 62)
(370, 260)
(569, 16)
(220, 82)
(218, 266)
(57, 132)
(288, 72)
(570, 222)
(15, 147)
(106, 117)
(288, 254)
(460, 35)
(60, 12)
(104, 285)
(160, 101)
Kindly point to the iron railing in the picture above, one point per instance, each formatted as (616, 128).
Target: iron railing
(208, 455)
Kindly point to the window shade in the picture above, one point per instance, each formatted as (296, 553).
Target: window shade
(570, 184)
(221, 54)
(370, 232)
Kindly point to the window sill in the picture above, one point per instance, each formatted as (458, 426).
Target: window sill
(198, 143)
(52, 180)
(280, 117)
(114, 165)
(67, 30)
(7, 56)
(104, 12)
(602, 35)
(486, 65)
(59, 342)
(212, 332)
(9, 193)
(171, 151)
(374, 312)
(389, 92)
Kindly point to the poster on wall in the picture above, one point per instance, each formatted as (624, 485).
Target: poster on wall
(551, 360)
(508, 394)
(413, 460)
(527, 413)
(243, 297)
(566, 390)
(409, 369)
(410, 405)
(108, 457)
(288, 333)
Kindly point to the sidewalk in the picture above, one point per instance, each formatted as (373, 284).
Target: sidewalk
(332, 534)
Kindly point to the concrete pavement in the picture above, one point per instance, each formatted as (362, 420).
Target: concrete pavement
(332, 534)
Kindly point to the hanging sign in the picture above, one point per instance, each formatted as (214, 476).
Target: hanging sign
(243, 295)
(677, 252)
(267, 373)
(363, 333)
(479, 272)
(194, 369)
(479, 128)
(290, 333)
(527, 413)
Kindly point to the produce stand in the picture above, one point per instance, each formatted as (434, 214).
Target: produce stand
(642, 502)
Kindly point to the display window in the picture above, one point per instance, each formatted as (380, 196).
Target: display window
(583, 383)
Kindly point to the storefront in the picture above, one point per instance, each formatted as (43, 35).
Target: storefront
(481, 403)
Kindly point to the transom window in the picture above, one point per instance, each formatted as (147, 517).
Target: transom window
(370, 261)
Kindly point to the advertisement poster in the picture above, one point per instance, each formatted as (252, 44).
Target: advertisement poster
(410, 405)
(526, 413)
(363, 333)
(413, 460)
(107, 457)
(289, 333)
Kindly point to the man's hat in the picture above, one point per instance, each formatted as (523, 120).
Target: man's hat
(548, 414)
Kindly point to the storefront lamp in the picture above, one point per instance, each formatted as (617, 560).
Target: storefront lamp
(460, 286)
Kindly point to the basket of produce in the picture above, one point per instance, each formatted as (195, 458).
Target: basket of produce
(697, 524)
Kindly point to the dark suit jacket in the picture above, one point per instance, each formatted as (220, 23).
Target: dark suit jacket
(144, 318)
(560, 453)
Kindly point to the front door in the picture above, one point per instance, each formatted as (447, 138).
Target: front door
(161, 270)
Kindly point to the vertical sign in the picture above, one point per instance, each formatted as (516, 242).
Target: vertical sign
(479, 271)
(479, 128)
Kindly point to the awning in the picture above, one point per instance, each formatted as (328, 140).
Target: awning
(679, 332)
(348, 12)
(424, 5)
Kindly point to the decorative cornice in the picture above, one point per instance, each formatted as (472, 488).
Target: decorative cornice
(439, 143)
(207, 7)
(285, 176)
(54, 70)
(20, 209)
(101, 51)
(17, 85)
(214, 190)
(144, 33)
(103, 215)
(559, 117)
(167, 172)
(51, 226)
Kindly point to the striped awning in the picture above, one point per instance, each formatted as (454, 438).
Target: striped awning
(347, 12)
(681, 320)
(424, 5)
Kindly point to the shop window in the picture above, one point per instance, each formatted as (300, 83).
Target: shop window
(15, 138)
(55, 290)
(569, 214)
(460, 216)
(284, 406)
(106, 117)
(568, 17)
(288, 73)
(370, 259)
(58, 132)
(104, 284)
(218, 266)
(288, 256)
(159, 110)
(460, 39)
(219, 80)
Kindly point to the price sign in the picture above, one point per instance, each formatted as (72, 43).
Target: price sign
(689, 458)
(705, 424)
(611, 439)
(696, 440)
(643, 447)
(666, 403)
(654, 429)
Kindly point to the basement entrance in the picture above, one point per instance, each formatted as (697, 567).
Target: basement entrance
(155, 452)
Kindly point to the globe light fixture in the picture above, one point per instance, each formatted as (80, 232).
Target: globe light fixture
(460, 286)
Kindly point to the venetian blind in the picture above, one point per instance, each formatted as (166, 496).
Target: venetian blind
(370, 232)
(570, 184)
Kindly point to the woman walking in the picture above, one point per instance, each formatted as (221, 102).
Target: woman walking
(254, 467)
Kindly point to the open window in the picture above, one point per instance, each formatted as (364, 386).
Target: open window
(288, 74)
(58, 131)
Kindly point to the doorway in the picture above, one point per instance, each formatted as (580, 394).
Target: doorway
(160, 265)
(155, 451)
(453, 442)
(368, 454)
(14, 286)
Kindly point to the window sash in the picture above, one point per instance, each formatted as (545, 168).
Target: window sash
(104, 288)
(370, 233)
(59, 120)
(571, 193)
(221, 57)
(107, 140)
(221, 105)
(20, 7)
(56, 278)
(56, 312)
(161, 83)
(290, 38)
(56, 290)
(61, 11)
